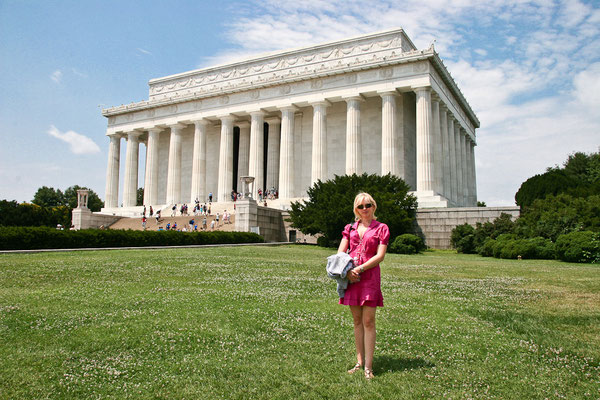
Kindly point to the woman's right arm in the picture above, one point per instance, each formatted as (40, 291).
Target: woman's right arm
(343, 246)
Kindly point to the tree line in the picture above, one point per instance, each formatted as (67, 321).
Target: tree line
(49, 207)
(560, 217)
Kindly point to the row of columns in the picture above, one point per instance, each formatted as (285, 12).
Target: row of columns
(445, 152)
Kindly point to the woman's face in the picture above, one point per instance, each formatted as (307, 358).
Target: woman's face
(365, 209)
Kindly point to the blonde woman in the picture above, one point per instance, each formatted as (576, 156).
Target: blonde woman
(368, 240)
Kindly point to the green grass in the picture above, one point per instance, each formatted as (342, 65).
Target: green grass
(256, 322)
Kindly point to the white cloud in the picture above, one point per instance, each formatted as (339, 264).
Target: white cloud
(57, 76)
(79, 144)
(79, 73)
(144, 51)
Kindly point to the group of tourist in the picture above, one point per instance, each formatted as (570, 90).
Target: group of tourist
(270, 194)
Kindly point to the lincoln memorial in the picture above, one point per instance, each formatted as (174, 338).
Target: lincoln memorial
(370, 104)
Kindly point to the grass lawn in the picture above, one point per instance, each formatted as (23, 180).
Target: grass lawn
(263, 322)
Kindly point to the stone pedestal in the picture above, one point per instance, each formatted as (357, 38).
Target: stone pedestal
(246, 215)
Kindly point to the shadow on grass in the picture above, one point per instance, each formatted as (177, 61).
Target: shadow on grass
(384, 364)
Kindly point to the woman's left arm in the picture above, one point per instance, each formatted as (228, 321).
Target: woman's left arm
(375, 260)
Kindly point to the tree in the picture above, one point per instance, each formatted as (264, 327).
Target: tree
(579, 177)
(556, 215)
(70, 198)
(139, 195)
(48, 197)
(329, 205)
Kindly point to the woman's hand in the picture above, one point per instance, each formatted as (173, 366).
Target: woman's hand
(353, 275)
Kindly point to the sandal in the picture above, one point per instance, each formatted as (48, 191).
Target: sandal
(369, 374)
(355, 368)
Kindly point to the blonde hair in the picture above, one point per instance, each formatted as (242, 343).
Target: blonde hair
(358, 199)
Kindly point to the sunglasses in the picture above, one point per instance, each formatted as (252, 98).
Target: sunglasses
(368, 205)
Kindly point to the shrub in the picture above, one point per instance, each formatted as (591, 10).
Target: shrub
(487, 248)
(23, 238)
(544, 248)
(581, 247)
(407, 244)
(322, 241)
(500, 242)
(557, 215)
(462, 238)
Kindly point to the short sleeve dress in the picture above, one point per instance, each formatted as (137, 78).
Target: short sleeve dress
(366, 292)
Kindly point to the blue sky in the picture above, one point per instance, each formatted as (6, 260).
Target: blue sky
(529, 69)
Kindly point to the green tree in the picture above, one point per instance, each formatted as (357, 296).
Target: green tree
(539, 186)
(560, 214)
(48, 197)
(329, 205)
(579, 177)
(139, 197)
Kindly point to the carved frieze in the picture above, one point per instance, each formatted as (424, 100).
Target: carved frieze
(276, 69)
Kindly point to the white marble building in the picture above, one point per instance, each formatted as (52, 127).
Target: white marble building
(371, 104)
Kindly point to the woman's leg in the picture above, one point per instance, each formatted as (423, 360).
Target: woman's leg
(359, 333)
(368, 323)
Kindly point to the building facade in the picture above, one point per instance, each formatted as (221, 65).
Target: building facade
(371, 104)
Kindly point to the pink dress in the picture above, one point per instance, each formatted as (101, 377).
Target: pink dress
(366, 292)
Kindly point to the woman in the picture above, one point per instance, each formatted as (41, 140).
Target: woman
(368, 240)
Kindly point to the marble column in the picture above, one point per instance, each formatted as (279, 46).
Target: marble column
(468, 172)
(319, 142)
(452, 158)
(225, 184)
(465, 168)
(198, 191)
(425, 152)
(112, 172)
(174, 167)
(131, 169)
(257, 151)
(353, 136)
(436, 134)
(273, 152)
(389, 155)
(473, 175)
(446, 188)
(286, 156)
(244, 149)
(151, 179)
(459, 162)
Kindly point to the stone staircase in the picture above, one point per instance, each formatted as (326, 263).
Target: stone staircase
(135, 223)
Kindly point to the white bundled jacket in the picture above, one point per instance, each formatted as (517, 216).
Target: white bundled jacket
(338, 266)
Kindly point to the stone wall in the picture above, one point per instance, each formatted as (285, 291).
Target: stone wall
(83, 218)
(269, 221)
(436, 224)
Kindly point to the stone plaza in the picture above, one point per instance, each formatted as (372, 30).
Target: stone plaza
(369, 104)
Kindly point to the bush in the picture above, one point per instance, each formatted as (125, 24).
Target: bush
(557, 215)
(329, 206)
(462, 238)
(510, 247)
(322, 241)
(580, 247)
(487, 248)
(25, 238)
(544, 248)
(407, 244)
